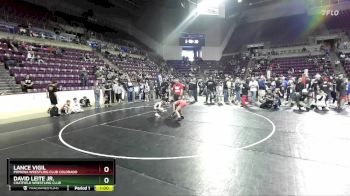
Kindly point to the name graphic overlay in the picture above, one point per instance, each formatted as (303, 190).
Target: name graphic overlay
(61, 174)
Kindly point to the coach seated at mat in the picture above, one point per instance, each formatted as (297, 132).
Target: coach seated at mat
(85, 102)
(76, 106)
(66, 109)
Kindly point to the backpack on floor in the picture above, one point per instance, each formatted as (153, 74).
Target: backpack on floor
(54, 111)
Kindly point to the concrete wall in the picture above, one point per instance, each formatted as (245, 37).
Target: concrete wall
(37, 103)
(211, 53)
(5, 35)
(172, 52)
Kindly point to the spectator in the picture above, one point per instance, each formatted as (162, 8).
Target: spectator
(151, 90)
(85, 102)
(38, 59)
(130, 88)
(267, 100)
(141, 91)
(107, 89)
(118, 90)
(220, 92)
(211, 87)
(349, 92)
(76, 108)
(147, 92)
(9, 61)
(226, 90)
(343, 93)
(262, 87)
(83, 77)
(253, 85)
(237, 89)
(27, 83)
(66, 108)
(193, 89)
(30, 56)
(51, 93)
(97, 92)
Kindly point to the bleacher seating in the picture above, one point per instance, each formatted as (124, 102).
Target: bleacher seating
(298, 63)
(64, 69)
(180, 66)
(24, 13)
(208, 65)
(133, 65)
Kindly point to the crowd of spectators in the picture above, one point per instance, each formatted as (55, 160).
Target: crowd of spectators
(304, 93)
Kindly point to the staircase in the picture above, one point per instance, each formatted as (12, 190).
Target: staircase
(107, 61)
(7, 83)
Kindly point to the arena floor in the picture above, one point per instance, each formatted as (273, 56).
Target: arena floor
(215, 150)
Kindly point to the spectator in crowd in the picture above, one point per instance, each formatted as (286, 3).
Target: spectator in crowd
(107, 89)
(97, 91)
(38, 59)
(193, 89)
(262, 87)
(27, 83)
(9, 61)
(345, 44)
(83, 77)
(253, 85)
(86, 57)
(237, 90)
(141, 92)
(130, 88)
(226, 90)
(76, 108)
(210, 89)
(152, 90)
(66, 108)
(85, 102)
(267, 100)
(146, 92)
(30, 56)
(343, 93)
(348, 91)
(220, 92)
(118, 90)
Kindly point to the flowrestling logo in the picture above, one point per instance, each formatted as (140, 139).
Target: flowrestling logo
(330, 12)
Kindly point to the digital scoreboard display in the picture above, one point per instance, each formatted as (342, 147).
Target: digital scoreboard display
(61, 174)
(192, 39)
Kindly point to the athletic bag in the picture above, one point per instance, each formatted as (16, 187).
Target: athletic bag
(54, 111)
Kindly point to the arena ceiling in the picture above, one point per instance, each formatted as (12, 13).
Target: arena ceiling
(124, 8)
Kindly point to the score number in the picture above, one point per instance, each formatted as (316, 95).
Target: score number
(106, 170)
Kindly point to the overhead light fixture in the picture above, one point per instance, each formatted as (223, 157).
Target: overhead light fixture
(182, 3)
(209, 7)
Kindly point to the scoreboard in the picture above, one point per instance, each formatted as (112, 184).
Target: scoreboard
(192, 39)
(61, 174)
